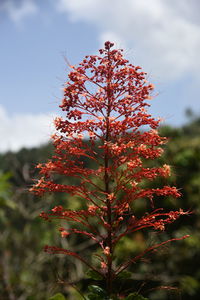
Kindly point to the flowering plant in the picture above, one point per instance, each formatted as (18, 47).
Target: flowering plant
(105, 101)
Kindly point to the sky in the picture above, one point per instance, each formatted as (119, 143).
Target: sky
(37, 37)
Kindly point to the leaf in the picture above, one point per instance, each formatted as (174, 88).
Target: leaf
(124, 275)
(58, 296)
(95, 289)
(7, 202)
(94, 275)
(94, 297)
(96, 293)
(135, 296)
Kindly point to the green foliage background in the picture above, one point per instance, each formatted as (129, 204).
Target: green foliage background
(27, 273)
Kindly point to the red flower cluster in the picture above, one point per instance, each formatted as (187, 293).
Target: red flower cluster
(105, 100)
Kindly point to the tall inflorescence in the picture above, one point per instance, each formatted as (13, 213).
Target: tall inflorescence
(105, 101)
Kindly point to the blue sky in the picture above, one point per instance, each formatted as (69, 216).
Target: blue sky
(161, 36)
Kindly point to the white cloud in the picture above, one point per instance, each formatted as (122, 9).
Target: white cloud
(24, 130)
(164, 35)
(18, 11)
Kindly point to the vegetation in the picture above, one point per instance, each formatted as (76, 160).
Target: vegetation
(105, 99)
(27, 270)
(28, 273)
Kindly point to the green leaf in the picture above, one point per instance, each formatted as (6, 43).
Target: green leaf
(135, 296)
(58, 296)
(124, 275)
(95, 289)
(7, 202)
(94, 275)
(96, 293)
(94, 297)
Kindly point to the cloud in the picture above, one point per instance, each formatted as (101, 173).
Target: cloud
(164, 36)
(18, 11)
(24, 130)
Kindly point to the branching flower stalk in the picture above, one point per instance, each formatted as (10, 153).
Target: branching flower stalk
(105, 100)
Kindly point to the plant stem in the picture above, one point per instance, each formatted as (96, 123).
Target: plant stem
(109, 236)
(107, 190)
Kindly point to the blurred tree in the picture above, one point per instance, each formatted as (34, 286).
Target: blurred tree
(24, 265)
